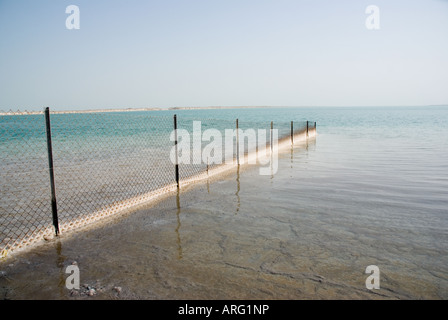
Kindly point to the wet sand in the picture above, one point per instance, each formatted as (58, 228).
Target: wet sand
(235, 237)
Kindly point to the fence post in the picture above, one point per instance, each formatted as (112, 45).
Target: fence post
(237, 144)
(292, 133)
(307, 128)
(175, 148)
(272, 128)
(54, 207)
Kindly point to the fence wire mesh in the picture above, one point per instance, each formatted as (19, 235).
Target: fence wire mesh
(105, 163)
(108, 162)
(24, 182)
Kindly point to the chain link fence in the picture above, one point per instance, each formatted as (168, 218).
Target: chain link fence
(101, 164)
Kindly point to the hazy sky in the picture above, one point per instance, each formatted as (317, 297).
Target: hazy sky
(168, 53)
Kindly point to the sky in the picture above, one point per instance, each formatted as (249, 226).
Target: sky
(198, 53)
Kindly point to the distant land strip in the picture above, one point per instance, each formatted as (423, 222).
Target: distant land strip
(18, 112)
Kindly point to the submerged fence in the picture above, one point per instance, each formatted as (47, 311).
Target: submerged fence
(62, 171)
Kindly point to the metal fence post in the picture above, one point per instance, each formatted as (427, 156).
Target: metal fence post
(292, 133)
(237, 144)
(54, 207)
(175, 147)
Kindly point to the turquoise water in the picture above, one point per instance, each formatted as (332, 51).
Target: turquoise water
(371, 189)
(100, 159)
(407, 140)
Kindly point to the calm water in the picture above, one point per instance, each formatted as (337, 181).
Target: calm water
(372, 189)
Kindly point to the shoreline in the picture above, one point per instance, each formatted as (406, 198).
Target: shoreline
(25, 112)
(109, 110)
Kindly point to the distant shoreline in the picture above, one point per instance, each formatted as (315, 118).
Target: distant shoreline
(18, 112)
(124, 110)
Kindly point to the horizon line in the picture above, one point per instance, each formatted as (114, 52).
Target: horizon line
(134, 109)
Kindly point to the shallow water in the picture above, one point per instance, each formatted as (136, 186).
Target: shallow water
(307, 232)
(373, 193)
(101, 160)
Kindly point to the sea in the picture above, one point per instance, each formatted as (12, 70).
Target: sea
(371, 189)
